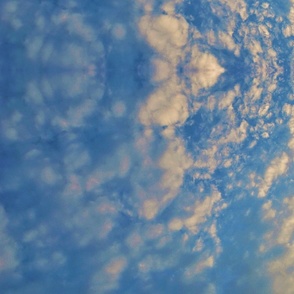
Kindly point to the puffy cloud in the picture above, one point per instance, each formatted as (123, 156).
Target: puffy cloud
(236, 135)
(268, 211)
(201, 211)
(165, 107)
(280, 268)
(283, 279)
(150, 208)
(276, 168)
(288, 109)
(175, 224)
(166, 33)
(236, 7)
(173, 162)
(203, 69)
(155, 263)
(107, 279)
(227, 98)
(198, 267)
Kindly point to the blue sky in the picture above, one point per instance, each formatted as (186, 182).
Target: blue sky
(146, 147)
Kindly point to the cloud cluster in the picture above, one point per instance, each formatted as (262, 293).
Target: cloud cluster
(118, 188)
(280, 268)
(277, 167)
(167, 106)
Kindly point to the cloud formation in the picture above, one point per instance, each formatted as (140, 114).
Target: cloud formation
(104, 182)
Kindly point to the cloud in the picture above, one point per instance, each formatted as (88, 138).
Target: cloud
(197, 268)
(236, 135)
(155, 263)
(116, 266)
(166, 33)
(227, 98)
(288, 109)
(107, 279)
(202, 210)
(174, 162)
(95, 196)
(165, 107)
(150, 208)
(175, 224)
(289, 29)
(49, 176)
(282, 273)
(280, 268)
(203, 69)
(277, 167)
(236, 7)
(268, 211)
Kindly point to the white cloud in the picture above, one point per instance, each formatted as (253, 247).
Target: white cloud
(90, 223)
(227, 99)
(163, 69)
(287, 228)
(49, 176)
(166, 33)
(281, 268)
(203, 69)
(165, 107)
(169, 6)
(276, 168)
(150, 208)
(107, 279)
(155, 262)
(154, 231)
(268, 211)
(207, 160)
(197, 268)
(289, 30)
(288, 109)
(174, 162)
(236, 7)
(212, 230)
(283, 276)
(175, 224)
(236, 135)
(228, 42)
(135, 242)
(116, 266)
(202, 210)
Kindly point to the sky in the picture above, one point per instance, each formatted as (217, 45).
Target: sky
(146, 146)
